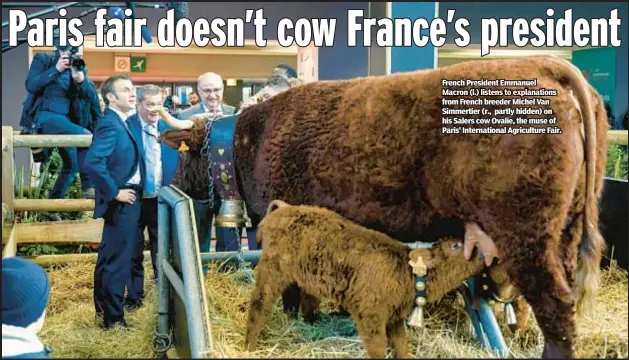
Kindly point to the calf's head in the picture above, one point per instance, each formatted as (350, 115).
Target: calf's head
(446, 266)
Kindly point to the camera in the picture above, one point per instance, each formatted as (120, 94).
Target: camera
(77, 62)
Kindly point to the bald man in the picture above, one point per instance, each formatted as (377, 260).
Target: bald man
(210, 89)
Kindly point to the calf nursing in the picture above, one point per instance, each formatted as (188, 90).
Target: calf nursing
(367, 272)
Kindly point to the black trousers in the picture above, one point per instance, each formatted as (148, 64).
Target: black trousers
(148, 219)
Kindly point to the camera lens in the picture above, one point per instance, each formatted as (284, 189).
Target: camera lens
(78, 63)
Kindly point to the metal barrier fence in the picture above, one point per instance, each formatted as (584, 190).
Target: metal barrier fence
(14, 233)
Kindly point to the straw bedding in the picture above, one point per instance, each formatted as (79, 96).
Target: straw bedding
(72, 331)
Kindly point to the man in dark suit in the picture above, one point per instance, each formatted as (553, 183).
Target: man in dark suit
(161, 164)
(210, 90)
(115, 165)
(60, 99)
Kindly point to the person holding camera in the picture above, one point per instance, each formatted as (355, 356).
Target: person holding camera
(62, 101)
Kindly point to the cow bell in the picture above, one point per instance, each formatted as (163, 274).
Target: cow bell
(232, 214)
(510, 317)
(417, 317)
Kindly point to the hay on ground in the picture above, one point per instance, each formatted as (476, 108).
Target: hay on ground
(71, 328)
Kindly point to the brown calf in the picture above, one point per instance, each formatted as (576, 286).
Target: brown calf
(367, 272)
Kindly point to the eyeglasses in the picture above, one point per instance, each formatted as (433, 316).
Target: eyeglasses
(214, 90)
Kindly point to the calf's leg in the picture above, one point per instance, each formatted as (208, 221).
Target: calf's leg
(371, 324)
(398, 340)
(291, 298)
(269, 285)
(522, 311)
(309, 306)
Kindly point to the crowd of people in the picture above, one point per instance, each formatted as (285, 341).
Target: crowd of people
(123, 170)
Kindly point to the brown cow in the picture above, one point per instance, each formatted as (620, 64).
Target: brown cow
(372, 150)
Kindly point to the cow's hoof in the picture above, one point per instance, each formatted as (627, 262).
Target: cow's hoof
(554, 350)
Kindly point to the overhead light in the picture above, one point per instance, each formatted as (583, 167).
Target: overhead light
(232, 82)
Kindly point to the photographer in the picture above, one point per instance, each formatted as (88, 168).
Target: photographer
(62, 101)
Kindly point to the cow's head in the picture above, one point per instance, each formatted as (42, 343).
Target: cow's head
(186, 134)
(192, 132)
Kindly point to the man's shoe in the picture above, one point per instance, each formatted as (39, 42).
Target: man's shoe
(89, 193)
(132, 305)
(122, 324)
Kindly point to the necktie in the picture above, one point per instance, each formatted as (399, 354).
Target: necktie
(150, 143)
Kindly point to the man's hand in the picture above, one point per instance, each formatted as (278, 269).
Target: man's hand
(126, 196)
(77, 75)
(247, 103)
(211, 114)
(197, 117)
(63, 63)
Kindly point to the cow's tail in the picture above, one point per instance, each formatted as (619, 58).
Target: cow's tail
(592, 244)
(273, 205)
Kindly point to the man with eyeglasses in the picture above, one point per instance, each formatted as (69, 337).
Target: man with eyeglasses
(210, 89)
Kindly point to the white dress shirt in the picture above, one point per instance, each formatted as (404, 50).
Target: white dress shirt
(218, 110)
(155, 152)
(136, 178)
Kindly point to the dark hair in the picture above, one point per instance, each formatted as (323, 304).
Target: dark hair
(290, 72)
(108, 85)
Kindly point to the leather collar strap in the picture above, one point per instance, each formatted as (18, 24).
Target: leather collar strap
(222, 155)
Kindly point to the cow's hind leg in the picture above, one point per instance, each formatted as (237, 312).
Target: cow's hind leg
(571, 238)
(530, 252)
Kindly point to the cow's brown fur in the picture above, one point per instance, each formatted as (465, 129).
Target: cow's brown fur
(365, 271)
(191, 175)
(372, 150)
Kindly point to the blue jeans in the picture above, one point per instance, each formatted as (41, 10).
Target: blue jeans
(73, 158)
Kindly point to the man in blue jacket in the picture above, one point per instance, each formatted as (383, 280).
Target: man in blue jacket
(114, 163)
(210, 89)
(62, 101)
(161, 164)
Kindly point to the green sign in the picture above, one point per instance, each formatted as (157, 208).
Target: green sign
(138, 63)
(599, 67)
